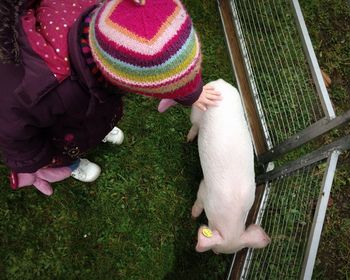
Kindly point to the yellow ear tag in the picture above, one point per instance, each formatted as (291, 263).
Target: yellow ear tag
(207, 232)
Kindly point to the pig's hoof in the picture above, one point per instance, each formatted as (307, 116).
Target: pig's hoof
(189, 138)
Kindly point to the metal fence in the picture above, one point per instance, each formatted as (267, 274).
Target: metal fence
(292, 107)
(278, 71)
(283, 74)
(292, 212)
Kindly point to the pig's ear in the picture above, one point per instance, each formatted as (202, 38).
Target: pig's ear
(255, 237)
(165, 104)
(207, 239)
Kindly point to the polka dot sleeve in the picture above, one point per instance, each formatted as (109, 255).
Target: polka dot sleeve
(47, 29)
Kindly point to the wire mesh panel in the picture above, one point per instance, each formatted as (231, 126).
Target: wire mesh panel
(279, 74)
(290, 212)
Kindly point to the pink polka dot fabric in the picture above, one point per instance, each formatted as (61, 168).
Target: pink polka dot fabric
(47, 29)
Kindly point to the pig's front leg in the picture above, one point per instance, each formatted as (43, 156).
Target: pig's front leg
(198, 207)
(192, 133)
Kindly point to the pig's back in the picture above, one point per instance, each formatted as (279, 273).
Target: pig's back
(225, 147)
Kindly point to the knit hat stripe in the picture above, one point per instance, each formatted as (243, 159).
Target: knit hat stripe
(117, 28)
(177, 65)
(152, 49)
(145, 49)
(177, 61)
(152, 80)
(162, 88)
(148, 84)
(181, 91)
(132, 57)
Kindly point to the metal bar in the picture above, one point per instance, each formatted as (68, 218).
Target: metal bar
(317, 129)
(312, 60)
(315, 233)
(231, 267)
(240, 257)
(241, 50)
(232, 41)
(246, 264)
(257, 220)
(322, 153)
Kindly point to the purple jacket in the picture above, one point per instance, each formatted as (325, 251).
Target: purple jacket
(43, 122)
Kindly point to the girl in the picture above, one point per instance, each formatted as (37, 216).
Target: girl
(65, 66)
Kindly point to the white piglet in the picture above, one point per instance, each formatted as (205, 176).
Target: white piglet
(227, 190)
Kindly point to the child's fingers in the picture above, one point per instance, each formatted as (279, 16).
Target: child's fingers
(208, 87)
(211, 91)
(201, 106)
(213, 96)
(209, 102)
(205, 103)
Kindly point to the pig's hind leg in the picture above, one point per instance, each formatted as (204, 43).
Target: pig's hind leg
(198, 206)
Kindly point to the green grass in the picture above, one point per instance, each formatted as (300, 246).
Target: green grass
(134, 222)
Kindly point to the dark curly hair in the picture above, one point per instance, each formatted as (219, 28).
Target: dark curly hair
(10, 11)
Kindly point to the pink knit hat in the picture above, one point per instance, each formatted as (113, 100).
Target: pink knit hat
(151, 49)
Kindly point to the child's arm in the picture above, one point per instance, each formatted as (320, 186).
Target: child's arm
(208, 97)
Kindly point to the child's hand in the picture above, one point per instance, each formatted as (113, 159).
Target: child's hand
(140, 2)
(208, 97)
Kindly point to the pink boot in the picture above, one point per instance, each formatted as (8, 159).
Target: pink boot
(40, 179)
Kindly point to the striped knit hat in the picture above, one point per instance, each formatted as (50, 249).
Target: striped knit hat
(151, 49)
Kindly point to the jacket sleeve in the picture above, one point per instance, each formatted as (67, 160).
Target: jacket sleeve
(24, 143)
(189, 99)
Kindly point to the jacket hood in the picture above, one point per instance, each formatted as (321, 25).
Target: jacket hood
(38, 80)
